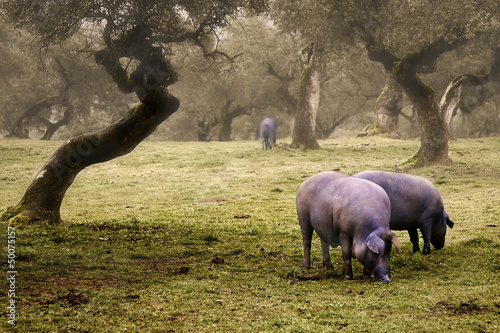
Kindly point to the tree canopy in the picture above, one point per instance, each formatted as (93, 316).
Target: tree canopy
(129, 27)
(69, 83)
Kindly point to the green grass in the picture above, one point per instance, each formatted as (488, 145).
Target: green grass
(203, 237)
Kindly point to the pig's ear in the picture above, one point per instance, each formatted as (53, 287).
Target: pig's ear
(395, 242)
(375, 243)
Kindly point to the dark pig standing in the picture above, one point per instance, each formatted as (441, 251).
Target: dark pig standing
(350, 212)
(268, 131)
(415, 204)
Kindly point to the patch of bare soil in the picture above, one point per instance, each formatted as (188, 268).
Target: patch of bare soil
(461, 308)
(73, 290)
(73, 298)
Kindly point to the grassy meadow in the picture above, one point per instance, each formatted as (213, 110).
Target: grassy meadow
(204, 237)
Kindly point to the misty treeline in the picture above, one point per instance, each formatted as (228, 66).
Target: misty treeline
(261, 81)
(223, 98)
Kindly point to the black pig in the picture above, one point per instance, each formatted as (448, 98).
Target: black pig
(268, 131)
(415, 204)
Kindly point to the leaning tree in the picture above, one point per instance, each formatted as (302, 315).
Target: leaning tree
(408, 38)
(130, 44)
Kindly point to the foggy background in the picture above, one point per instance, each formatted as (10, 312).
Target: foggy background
(261, 81)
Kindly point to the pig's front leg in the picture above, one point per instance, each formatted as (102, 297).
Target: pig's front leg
(367, 272)
(426, 234)
(346, 244)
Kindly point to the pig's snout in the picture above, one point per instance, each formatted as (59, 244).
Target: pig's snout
(385, 279)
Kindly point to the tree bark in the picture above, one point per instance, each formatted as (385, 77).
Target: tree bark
(466, 121)
(226, 118)
(304, 134)
(225, 122)
(19, 128)
(326, 131)
(388, 107)
(497, 104)
(449, 105)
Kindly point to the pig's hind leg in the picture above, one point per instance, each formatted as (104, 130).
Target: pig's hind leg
(414, 239)
(307, 232)
(346, 244)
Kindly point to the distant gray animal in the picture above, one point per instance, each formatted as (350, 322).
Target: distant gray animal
(268, 132)
(415, 204)
(350, 212)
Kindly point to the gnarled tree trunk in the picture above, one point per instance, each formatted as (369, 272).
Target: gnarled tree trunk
(467, 100)
(449, 105)
(288, 101)
(51, 127)
(388, 107)
(325, 131)
(304, 134)
(20, 127)
(204, 127)
(226, 118)
(434, 132)
(497, 103)
(42, 200)
(434, 147)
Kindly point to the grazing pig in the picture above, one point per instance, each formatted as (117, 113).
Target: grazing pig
(415, 203)
(268, 131)
(350, 212)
